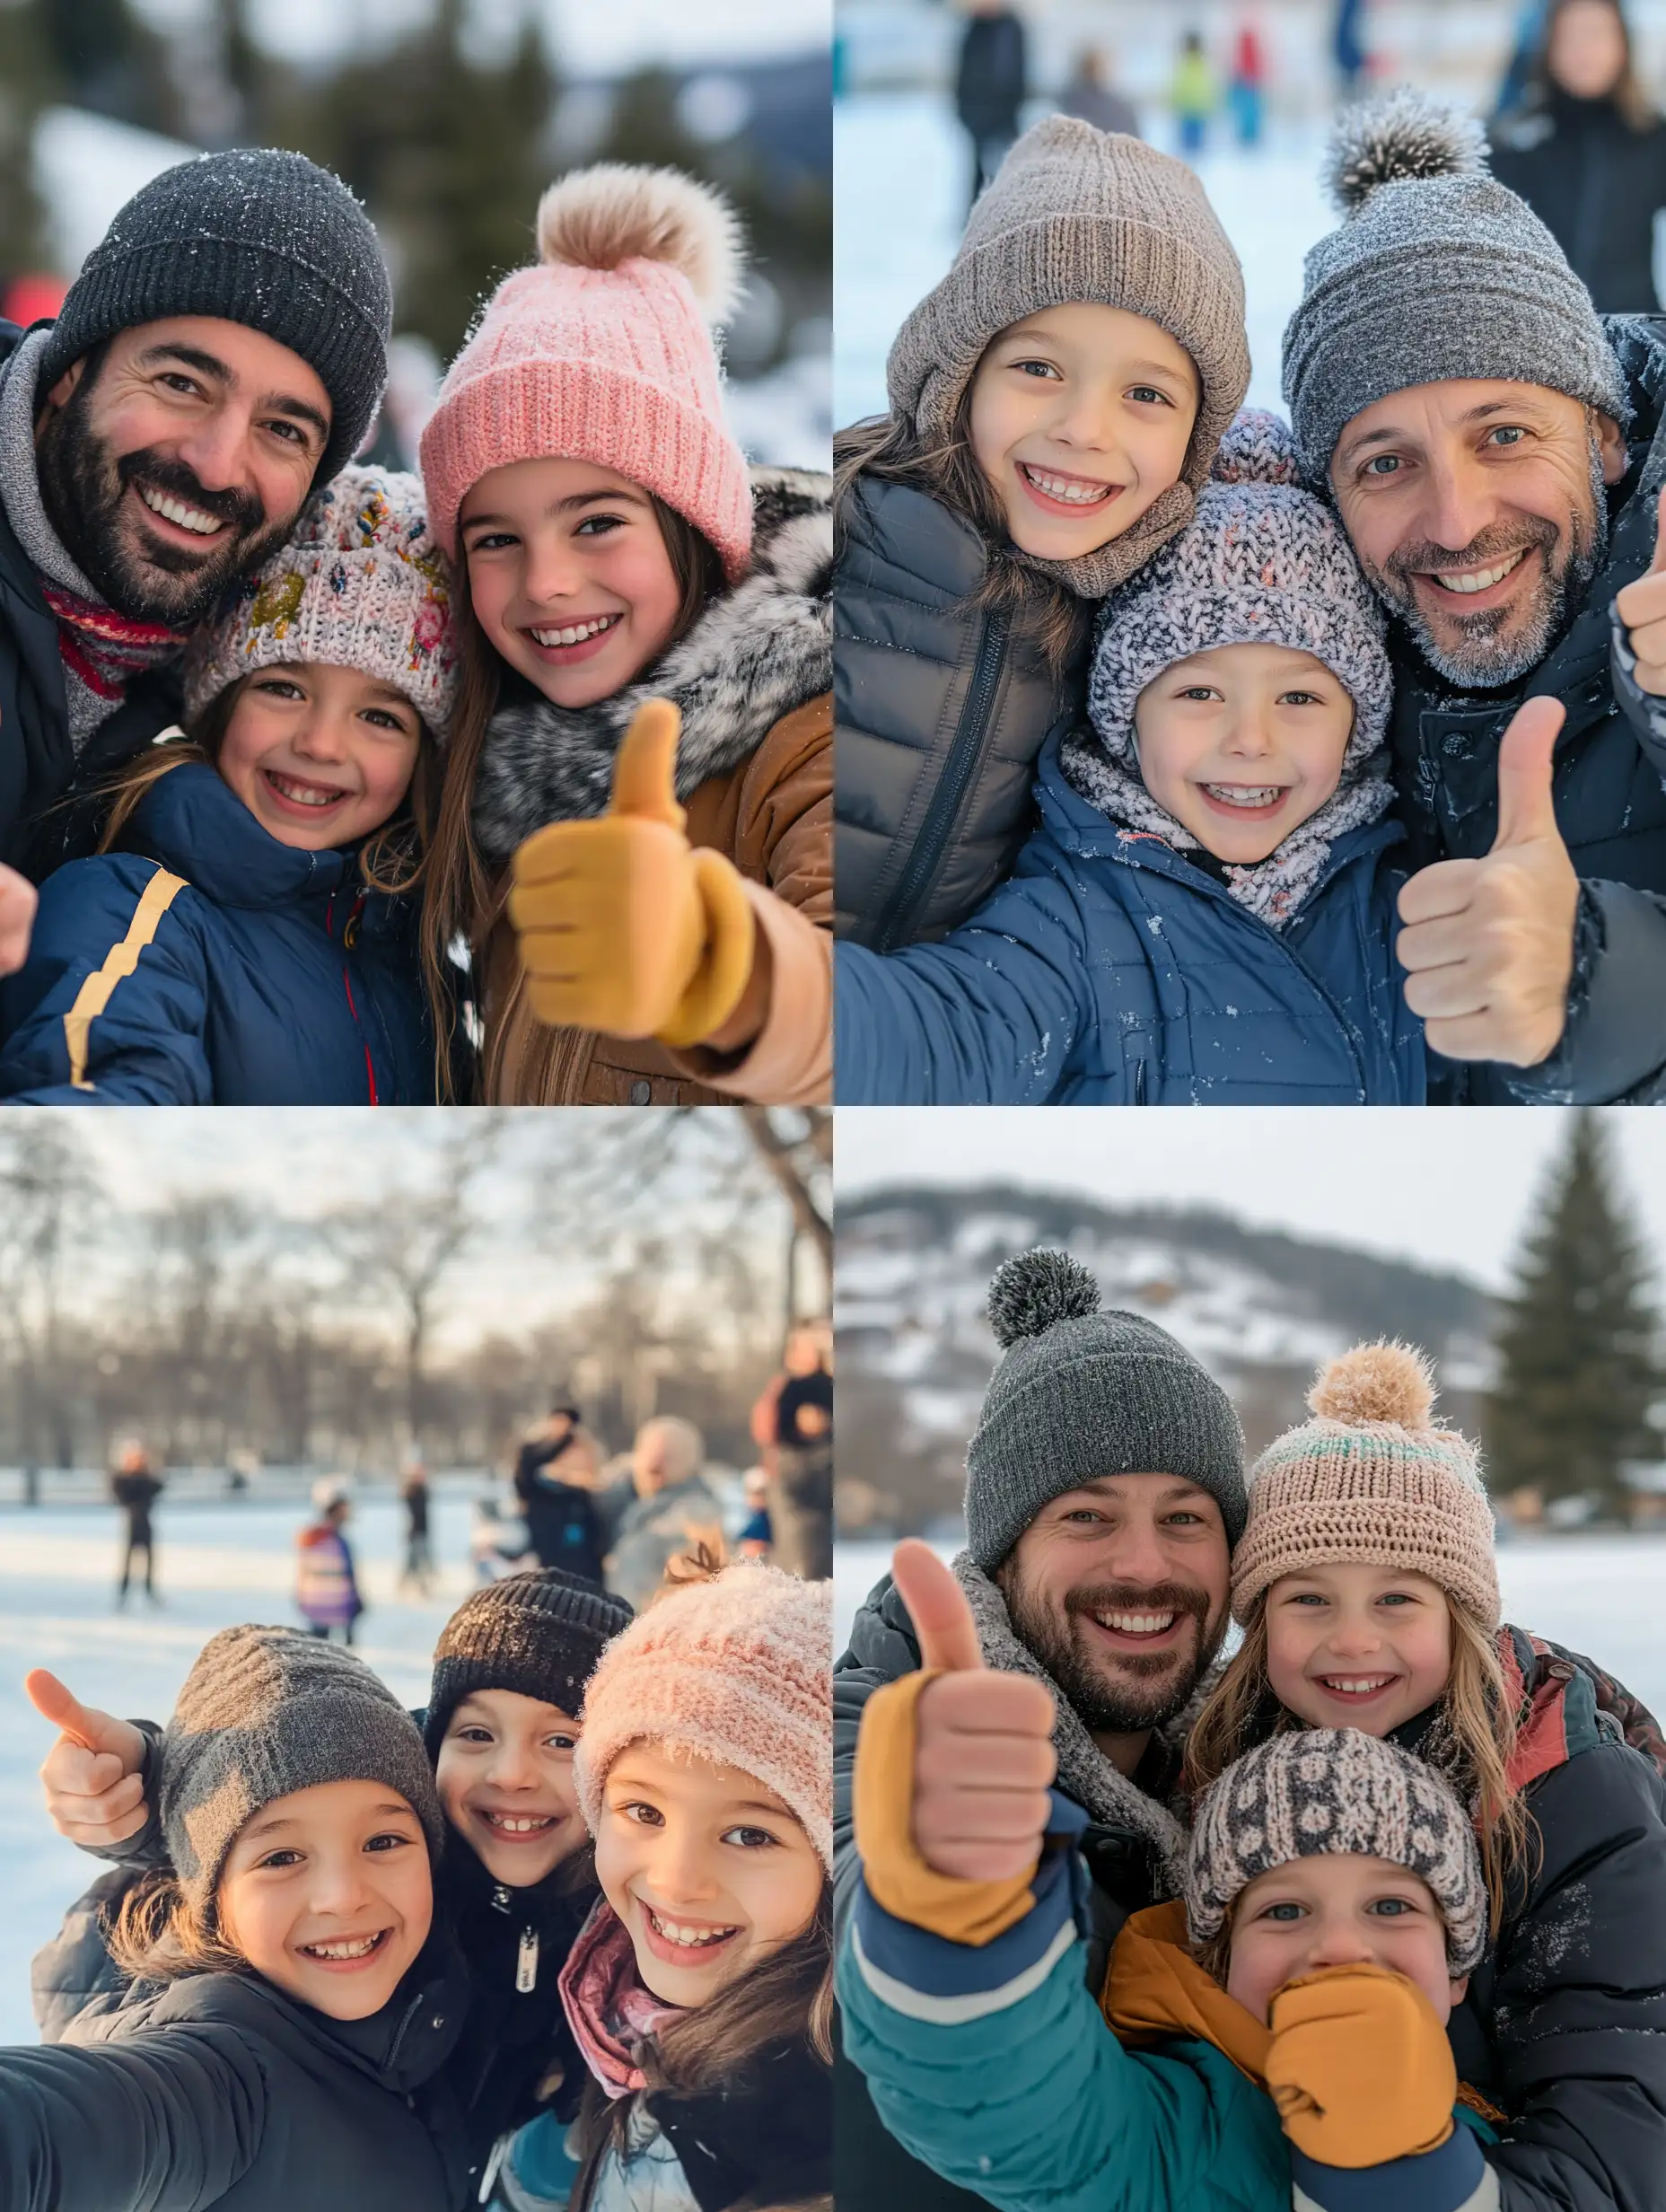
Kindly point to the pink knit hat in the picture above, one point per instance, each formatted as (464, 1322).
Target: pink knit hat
(603, 352)
(737, 1670)
(1373, 1479)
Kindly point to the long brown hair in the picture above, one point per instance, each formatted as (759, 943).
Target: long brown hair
(1472, 1743)
(463, 901)
(1627, 93)
(157, 1934)
(1038, 606)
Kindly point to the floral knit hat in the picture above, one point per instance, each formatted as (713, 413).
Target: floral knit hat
(361, 584)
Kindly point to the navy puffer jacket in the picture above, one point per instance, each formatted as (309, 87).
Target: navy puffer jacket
(207, 964)
(1110, 971)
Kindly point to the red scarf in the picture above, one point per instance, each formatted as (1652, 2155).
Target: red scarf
(607, 2004)
(100, 648)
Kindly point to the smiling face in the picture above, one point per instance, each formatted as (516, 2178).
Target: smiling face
(319, 756)
(1080, 417)
(1475, 510)
(1243, 743)
(505, 1777)
(1587, 51)
(1119, 1588)
(569, 576)
(1339, 1908)
(328, 1893)
(177, 457)
(706, 1868)
(1358, 1646)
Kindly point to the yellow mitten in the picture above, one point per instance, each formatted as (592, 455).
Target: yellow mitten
(623, 928)
(1360, 2067)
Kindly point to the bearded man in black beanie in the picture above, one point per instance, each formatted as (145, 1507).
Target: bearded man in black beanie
(221, 354)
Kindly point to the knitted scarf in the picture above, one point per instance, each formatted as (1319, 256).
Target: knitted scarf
(608, 2008)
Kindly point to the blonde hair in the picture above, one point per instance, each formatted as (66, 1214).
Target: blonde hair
(157, 1934)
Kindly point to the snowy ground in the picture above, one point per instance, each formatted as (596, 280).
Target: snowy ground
(900, 181)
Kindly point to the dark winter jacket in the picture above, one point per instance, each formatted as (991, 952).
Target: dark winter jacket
(1111, 971)
(940, 716)
(219, 2090)
(989, 78)
(37, 763)
(1610, 761)
(135, 1494)
(1595, 183)
(219, 968)
(561, 1518)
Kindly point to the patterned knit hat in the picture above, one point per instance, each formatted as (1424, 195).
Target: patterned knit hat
(265, 1712)
(737, 1670)
(1373, 1478)
(1081, 214)
(1080, 1393)
(361, 585)
(603, 352)
(1437, 271)
(1319, 1791)
(539, 1633)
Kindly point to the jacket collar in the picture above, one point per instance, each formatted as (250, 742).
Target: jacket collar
(1156, 1989)
(199, 827)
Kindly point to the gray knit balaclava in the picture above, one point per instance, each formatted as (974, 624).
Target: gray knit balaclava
(1437, 271)
(265, 1712)
(255, 236)
(1316, 1791)
(1080, 1393)
(1077, 213)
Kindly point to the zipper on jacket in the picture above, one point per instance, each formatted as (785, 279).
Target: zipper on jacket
(965, 749)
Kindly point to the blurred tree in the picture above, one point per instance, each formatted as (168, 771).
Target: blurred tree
(1578, 1369)
(29, 81)
(49, 1193)
(108, 59)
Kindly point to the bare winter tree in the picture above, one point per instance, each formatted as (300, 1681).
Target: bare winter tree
(49, 1194)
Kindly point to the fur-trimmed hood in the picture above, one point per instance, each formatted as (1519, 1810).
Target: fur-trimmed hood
(756, 654)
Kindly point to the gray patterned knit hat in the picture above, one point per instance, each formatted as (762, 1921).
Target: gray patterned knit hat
(1077, 214)
(1080, 1393)
(1315, 1791)
(265, 1712)
(1437, 271)
(1262, 563)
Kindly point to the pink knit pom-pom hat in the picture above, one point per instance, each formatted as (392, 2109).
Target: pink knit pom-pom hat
(737, 1670)
(603, 352)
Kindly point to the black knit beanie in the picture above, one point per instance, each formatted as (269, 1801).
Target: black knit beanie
(540, 1633)
(254, 236)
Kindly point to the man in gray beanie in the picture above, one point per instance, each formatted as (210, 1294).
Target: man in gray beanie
(1104, 1492)
(222, 352)
(1496, 452)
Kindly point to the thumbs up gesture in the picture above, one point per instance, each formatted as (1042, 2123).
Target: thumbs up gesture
(17, 914)
(1642, 608)
(983, 1752)
(1488, 945)
(94, 1791)
(623, 927)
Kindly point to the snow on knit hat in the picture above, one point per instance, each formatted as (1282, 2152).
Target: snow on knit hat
(539, 1634)
(1079, 1393)
(1437, 271)
(736, 1670)
(255, 236)
(265, 1712)
(1318, 1791)
(1372, 1478)
(361, 584)
(1261, 562)
(1080, 214)
(603, 352)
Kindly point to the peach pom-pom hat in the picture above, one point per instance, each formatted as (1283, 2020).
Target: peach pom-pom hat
(603, 352)
(1373, 1478)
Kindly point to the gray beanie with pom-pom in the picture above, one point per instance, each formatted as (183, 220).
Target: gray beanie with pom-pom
(1080, 1393)
(1437, 271)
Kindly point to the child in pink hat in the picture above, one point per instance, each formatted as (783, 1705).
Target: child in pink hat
(617, 549)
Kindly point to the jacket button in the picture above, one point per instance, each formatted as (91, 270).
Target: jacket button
(641, 1094)
(439, 2020)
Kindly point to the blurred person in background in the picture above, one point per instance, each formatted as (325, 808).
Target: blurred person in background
(755, 1536)
(497, 1545)
(1348, 48)
(326, 1589)
(1246, 89)
(556, 1475)
(990, 82)
(794, 1422)
(135, 1487)
(1586, 150)
(1090, 94)
(418, 1568)
(1194, 95)
(661, 1510)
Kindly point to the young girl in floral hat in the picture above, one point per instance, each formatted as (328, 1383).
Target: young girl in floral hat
(647, 901)
(247, 935)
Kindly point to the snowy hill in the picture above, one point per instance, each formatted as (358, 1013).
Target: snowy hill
(1260, 1309)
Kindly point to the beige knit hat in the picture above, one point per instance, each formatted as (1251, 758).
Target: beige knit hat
(1075, 215)
(1372, 1478)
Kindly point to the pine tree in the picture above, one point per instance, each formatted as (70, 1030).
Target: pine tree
(1578, 1371)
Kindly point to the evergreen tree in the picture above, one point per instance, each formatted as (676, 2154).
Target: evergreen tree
(28, 82)
(1578, 1371)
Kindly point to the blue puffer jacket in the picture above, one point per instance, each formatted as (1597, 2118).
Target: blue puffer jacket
(1110, 971)
(269, 977)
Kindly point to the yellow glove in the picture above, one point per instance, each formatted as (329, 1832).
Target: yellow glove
(623, 927)
(1360, 2067)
